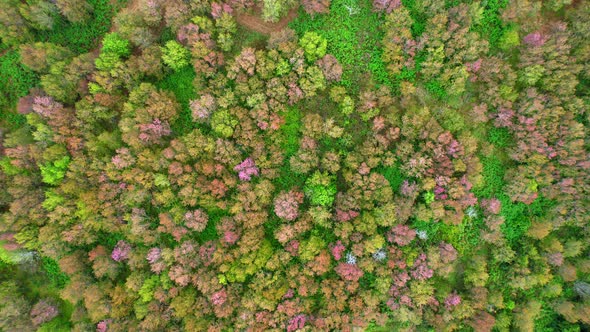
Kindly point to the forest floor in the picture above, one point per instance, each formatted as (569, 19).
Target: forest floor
(254, 21)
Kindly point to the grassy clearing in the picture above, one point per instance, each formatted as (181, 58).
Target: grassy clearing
(248, 38)
(15, 82)
(181, 84)
(353, 33)
(85, 36)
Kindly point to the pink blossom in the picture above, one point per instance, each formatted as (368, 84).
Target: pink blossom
(152, 132)
(492, 205)
(349, 272)
(121, 251)
(534, 39)
(246, 169)
(217, 10)
(555, 259)
(43, 311)
(345, 216)
(46, 106)
(203, 107)
(102, 326)
(447, 252)
(154, 255)
(219, 298)
(421, 271)
(337, 250)
(454, 149)
(405, 300)
(452, 300)
(196, 220)
(289, 294)
(401, 235)
(293, 247)
(392, 304)
(296, 323)
(386, 5)
(474, 66)
(439, 193)
(504, 117)
(287, 205)
(409, 189)
(230, 237)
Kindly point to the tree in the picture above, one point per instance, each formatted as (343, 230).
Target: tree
(330, 67)
(43, 311)
(223, 123)
(75, 10)
(13, 27)
(41, 56)
(313, 7)
(313, 45)
(286, 205)
(14, 308)
(175, 55)
(40, 14)
(320, 189)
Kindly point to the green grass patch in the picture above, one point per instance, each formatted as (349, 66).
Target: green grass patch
(248, 38)
(353, 33)
(290, 131)
(84, 36)
(210, 231)
(15, 82)
(181, 84)
(56, 277)
(416, 9)
(394, 176)
(490, 25)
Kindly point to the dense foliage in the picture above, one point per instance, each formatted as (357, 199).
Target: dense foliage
(386, 165)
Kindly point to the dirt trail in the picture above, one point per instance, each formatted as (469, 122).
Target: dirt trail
(255, 22)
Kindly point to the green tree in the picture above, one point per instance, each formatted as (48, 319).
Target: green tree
(320, 188)
(175, 55)
(313, 45)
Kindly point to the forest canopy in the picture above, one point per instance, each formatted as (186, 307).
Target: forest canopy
(284, 165)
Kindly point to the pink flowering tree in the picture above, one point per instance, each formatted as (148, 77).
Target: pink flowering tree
(349, 272)
(246, 169)
(153, 132)
(420, 270)
(401, 235)
(102, 326)
(287, 205)
(337, 250)
(196, 220)
(219, 298)
(452, 301)
(296, 323)
(447, 252)
(316, 6)
(386, 5)
(42, 312)
(203, 107)
(121, 251)
(491, 206)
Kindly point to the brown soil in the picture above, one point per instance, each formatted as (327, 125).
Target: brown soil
(254, 21)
